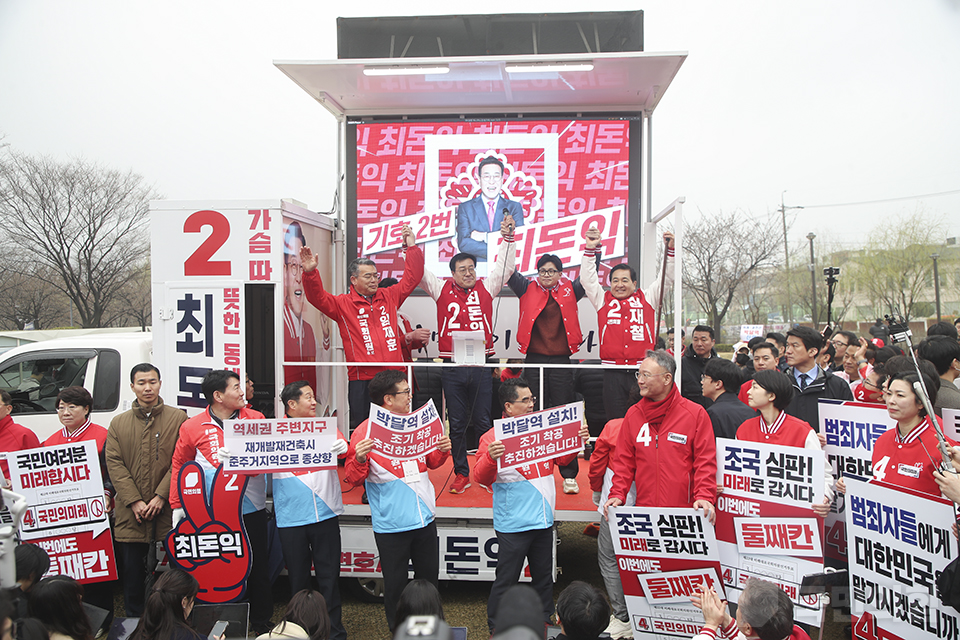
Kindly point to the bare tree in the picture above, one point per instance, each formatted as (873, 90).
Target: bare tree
(134, 300)
(29, 300)
(84, 222)
(720, 253)
(895, 271)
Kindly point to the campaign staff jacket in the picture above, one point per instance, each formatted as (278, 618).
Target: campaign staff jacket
(368, 326)
(201, 437)
(674, 462)
(460, 309)
(909, 462)
(523, 497)
(789, 432)
(533, 298)
(601, 461)
(14, 437)
(307, 497)
(626, 326)
(395, 506)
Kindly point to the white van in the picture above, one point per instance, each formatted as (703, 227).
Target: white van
(35, 373)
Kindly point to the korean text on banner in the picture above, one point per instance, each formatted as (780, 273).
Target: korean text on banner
(664, 556)
(405, 437)
(898, 544)
(851, 428)
(428, 226)
(67, 513)
(762, 535)
(281, 445)
(542, 435)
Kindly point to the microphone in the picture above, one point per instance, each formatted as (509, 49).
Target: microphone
(506, 213)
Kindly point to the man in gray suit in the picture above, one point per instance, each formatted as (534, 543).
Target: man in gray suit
(483, 214)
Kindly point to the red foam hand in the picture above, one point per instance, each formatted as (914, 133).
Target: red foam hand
(210, 542)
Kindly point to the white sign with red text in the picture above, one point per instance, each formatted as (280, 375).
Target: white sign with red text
(541, 435)
(405, 437)
(281, 445)
(428, 226)
(67, 512)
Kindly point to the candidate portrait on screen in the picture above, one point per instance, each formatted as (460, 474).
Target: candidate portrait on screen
(483, 214)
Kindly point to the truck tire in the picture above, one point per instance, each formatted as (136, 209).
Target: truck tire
(366, 589)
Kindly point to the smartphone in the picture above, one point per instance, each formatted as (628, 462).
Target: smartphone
(218, 629)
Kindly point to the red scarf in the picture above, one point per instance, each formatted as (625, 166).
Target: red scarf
(654, 412)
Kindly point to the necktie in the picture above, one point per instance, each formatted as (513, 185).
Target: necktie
(803, 381)
(490, 214)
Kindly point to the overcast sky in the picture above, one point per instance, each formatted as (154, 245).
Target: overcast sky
(834, 102)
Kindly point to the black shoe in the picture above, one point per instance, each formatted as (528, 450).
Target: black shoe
(363, 498)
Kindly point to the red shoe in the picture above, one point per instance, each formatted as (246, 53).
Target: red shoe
(592, 529)
(460, 484)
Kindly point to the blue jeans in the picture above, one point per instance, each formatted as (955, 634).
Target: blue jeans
(468, 393)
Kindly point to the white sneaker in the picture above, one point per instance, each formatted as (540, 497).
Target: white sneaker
(618, 628)
(570, 485)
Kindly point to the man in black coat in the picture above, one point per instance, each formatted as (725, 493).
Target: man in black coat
(694, 360)
(810, 382)
(727, 412)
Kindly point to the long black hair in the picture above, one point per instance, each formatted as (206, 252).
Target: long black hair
(163, 612)
(56, 602)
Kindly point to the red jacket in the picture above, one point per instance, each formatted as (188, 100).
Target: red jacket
(368, 328)
(14, 437)
(602, 456)
(534, 300)
(793, 432)
(672, 462)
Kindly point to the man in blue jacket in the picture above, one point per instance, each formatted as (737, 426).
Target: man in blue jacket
(483, 214)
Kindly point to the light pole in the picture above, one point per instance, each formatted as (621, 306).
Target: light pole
(786, 255)
(813, 281)
(936, 282)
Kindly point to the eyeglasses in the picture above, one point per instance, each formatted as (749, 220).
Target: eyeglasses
(405, 392)
(68, 408)
(466, 270)
(526, 400)
(369, 277)
(646, 375)
(839, 343)
(867, 383)
(491, 177)
(546, 273)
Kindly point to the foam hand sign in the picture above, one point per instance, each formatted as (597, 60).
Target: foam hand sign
(210, 541)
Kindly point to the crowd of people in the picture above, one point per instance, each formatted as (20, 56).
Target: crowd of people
(657, 447)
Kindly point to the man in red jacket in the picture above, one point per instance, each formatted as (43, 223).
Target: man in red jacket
(666, 445)
(366, 315)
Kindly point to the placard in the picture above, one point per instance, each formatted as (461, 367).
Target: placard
(898, 544)
(762, 530)
(664, 556)
(542, 435)
(67, 513)
(405, 437)
(284, 445)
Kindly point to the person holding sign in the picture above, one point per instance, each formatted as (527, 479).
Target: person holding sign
(524, 498)
(366, 315)
(463, 306)
(909, 455)
(625, 318)
(402, 498)
(770, 393)
(764, 611)
(308, 505)
(677, 470)
(201, 440)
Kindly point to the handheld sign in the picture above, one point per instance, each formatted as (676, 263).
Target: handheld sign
(541, 435)
(405, 437)
(281, 445)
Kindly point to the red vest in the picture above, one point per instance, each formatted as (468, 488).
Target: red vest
(459, 309)
(626, 329)
(534, 300)
(792, 433)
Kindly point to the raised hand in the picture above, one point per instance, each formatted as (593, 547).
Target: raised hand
(308, 259)
(210, 542)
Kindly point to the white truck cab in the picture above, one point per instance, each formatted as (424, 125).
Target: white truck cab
(33, 374)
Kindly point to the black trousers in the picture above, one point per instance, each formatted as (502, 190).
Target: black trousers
(358, 397)
(468, 391)
(259, 590)
(317, 544)
(397, 550)
(617, 385)
(537, 547)
(133, 560)
(558, 389)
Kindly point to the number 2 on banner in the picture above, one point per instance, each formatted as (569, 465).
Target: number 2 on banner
(199, 262)
(643, 436)
(880, 469)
